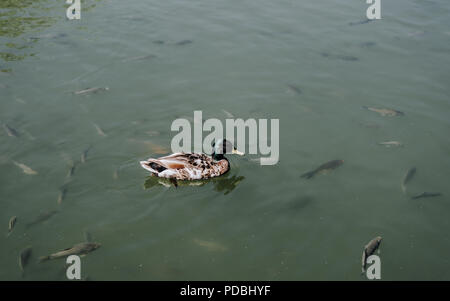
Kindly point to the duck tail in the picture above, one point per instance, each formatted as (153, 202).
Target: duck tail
(152, 166)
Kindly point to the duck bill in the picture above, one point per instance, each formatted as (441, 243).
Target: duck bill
(236, 152)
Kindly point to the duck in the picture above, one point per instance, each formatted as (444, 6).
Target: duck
(193, 166)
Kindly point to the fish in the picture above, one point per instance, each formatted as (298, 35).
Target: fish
(71, 170)
(340, 57)
(184, 42)
(24, 257)
(369, 249)
(138, 58)
(295, 89)
(408, 176)
(426, 195)
(360, 22)
(44, 216)
(347, 58)
(84, 154)
(116, 174)
(91, 90)
(210, 245)
(367, 44)
(99, 130)
(229, 115)
(26, 169)
(78, 249)
(324, 167)
(11, 132)
(11, 224)
(391, 143)
(62, 195)
(160, 42)
(385, 112)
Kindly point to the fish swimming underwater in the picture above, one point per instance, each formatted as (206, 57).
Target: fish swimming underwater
(11, 132)
(192, 166)
(26, 169)
(426, 195)
(391, 143)
(78, 249)
(324, 167)
(408, 176)
(99, 130)
(360, 22)
(24, 257)
(369, 249)
(11, 224)
(44, 216)
(385, 112)
(85, 153)
(91, 90)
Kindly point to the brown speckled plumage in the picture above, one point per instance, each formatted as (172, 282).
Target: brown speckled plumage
(186, 166)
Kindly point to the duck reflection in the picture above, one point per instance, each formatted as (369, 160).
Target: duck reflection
(224, 184)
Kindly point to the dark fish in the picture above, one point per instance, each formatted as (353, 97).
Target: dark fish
(347, 58)
(408, 176)
(78, 249)
(360, 22)
(184, 42)
(62, 195)
(324, 167)
(84, 154)
(296, 89)
(426, 195)
(368, 44)
(24, 257)
(11, 132)
(369, 249)
(71, 170)
(44, 216)
(11, 224)
(160, 42)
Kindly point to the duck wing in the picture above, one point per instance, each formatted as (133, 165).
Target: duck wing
(185, 166)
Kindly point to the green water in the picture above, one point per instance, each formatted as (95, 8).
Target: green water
(259, 222)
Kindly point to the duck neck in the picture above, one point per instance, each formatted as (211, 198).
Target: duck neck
(218, 157)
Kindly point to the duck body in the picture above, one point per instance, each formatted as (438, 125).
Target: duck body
(186, 166)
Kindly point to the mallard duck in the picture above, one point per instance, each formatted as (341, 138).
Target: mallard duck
(192, 166)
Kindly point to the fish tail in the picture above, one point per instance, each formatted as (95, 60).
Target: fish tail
(309, 174)
(403, 188)
(44, 258)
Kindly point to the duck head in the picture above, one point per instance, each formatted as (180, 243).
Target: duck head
(223, 146)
